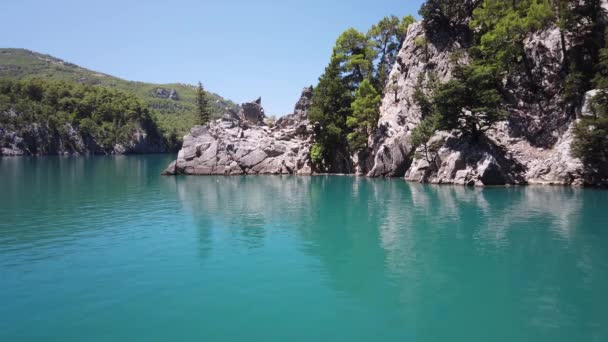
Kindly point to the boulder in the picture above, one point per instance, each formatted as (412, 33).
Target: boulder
(586, 110)
(253, 112)
(490, 173)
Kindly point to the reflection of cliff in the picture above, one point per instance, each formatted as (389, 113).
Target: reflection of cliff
(344, 235)
(332, 218)
(416, 255)
(446, 245)
(247, 206)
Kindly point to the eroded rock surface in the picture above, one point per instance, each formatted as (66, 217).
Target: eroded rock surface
(532, 147)
(241, 143)
(399, 113)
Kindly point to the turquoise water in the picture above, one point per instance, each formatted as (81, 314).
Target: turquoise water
(104, 249)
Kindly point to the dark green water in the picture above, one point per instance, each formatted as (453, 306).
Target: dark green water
(104, 249)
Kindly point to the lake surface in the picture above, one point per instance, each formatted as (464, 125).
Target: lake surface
(105, 249)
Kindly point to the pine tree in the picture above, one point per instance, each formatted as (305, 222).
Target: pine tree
(202, 105)
(421, 136)
(581, 22)
(591, 132)
(365, 111)
(386, 38)
(470, 102)
(330, 107)
(446, 14)
(502, 27)
(356, 55)
(591, 137)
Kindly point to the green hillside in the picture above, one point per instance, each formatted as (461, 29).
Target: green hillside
(172, 113)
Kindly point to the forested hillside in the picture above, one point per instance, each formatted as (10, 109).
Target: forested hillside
(173, 105)
(40, 117)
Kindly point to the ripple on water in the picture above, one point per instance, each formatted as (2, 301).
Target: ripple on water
(116, 252)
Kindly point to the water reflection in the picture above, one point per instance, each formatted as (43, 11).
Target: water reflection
(50, 201)
(427, 249)
(244, 206)
(523, 263)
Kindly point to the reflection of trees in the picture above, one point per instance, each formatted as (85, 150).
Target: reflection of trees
(419, 253)
(245, 206)
(504, 247)
(343, 233)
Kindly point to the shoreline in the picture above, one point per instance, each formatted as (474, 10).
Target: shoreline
(534, 184)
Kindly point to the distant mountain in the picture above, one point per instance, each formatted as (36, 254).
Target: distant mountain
(173, 104)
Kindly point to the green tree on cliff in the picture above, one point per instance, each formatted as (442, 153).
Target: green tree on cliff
(502, 27)
(202, 105)
(356, 55)
(591, 136)
(421, 136)
(386, 38)
(591, 132)
(470, 102)
(445, 14)
(582, 37)
(330, 108)
(365, 111)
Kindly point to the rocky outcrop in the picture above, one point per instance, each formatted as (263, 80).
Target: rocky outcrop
(418, 59)
(163, 93)
(531, 147)
(241, 143)
(300, 112)
(252, 112)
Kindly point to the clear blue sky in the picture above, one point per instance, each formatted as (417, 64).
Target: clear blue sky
(239, 49)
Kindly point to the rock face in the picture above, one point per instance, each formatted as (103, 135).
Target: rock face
(240, 143)
(166, 94)
(253, 112)
(532, 147)
(399, 113)
(38, 139)
(300, 112)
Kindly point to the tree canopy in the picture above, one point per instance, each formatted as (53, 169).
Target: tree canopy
(446, 14)
(365, 110)
(202, 105)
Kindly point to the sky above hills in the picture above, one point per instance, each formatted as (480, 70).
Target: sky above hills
(240, 49)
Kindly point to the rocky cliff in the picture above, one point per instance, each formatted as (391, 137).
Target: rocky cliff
(531, 147)
(243, 143)
(38, 139)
